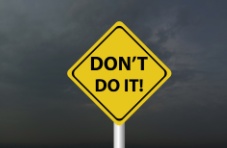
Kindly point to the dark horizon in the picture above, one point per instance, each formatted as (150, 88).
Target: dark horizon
(103, 145)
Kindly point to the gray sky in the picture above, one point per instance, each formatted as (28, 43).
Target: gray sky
(40, 40)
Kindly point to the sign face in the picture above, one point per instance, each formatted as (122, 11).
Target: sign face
(119, 73)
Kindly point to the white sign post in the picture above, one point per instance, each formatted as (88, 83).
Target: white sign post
(119, 136)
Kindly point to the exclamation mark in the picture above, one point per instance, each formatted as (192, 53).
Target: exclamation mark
(141, 84)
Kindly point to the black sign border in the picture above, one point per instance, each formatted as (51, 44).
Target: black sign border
(119, 119)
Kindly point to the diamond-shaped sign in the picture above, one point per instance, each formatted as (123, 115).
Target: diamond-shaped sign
(119, 73)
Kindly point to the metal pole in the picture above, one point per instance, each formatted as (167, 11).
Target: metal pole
(119, 136)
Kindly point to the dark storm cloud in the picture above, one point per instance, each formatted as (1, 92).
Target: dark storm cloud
(40, 40)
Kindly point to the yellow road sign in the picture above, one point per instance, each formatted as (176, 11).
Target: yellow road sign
(119, 73)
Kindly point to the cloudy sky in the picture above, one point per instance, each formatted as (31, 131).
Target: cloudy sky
(40, 40)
